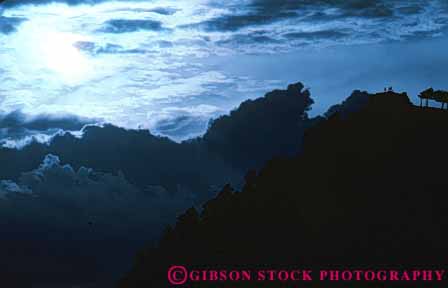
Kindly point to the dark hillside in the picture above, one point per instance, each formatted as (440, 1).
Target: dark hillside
(369, 190)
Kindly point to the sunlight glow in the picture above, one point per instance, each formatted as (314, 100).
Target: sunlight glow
(45, 48)
(61, 56)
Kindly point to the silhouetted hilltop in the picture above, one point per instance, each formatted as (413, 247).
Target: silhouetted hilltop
(355, 102)
(369, 190)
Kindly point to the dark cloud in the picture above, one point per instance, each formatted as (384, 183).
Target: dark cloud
(419, 35)
(259, 37)
(409, 10)
(18, 129)
(135, 184)
(87, 46)
(261, 12)
(236, 22)
(11, 3)
(188, 166)
(272, 125)
(108, 48)
(164, 11)
(88, 193)
(10, 24)
(17, 120)
(365, 8)
(127, 26)
(316, 35)
(143, 158)
(165, 44)
(78, 206)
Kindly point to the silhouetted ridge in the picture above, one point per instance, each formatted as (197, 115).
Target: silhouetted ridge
(355, 102)
(369, 190)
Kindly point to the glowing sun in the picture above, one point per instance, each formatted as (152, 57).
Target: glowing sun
(61, 56)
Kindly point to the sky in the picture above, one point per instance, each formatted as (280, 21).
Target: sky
(170, 66)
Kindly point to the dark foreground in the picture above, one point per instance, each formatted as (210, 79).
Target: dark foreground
(368, 191)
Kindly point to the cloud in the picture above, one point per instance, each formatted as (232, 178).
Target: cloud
(181, 127)
(262, 128)
(107, 48)
(9, 24)
(131, 73)
(8, 188)
(107, 198)
(366, 8)
(259, 12)
(127, 26)
(317, 21)
(78, 206)
(143, 158)
(236, 22)
(164, 10)
(182, 123)
(252, 38)
(146, 159)
(315, 35)
(18, 129)
(125, 185)
(17, 119)
(12, 3)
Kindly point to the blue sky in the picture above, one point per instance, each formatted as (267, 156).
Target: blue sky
(170, 66)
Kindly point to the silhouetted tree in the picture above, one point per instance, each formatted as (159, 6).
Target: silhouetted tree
(442, 97)
(427, 95)
(445, 98)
